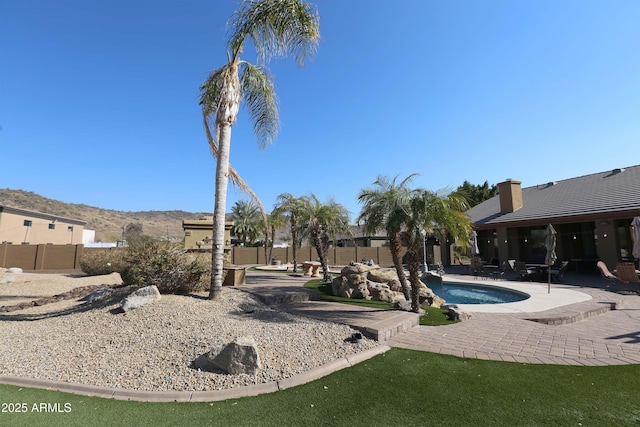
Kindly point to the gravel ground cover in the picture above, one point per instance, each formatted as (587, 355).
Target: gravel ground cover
(154, 347)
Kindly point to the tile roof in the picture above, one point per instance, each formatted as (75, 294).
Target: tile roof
(599, 193)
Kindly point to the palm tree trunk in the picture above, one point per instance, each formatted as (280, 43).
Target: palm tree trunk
(222, 180)
(294, 239)
(413, 264)
(324, 258)
(396, 248)
(317, 243)
(273, 239)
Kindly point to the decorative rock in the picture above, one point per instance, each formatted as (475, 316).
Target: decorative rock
(455, 313)
(356, 269)
(238, 357)
(7, 280)
(14, 270)
(141, 297)
(382, 292)
(426, 295)
(431, 277)
(403, 304)
(383, 275)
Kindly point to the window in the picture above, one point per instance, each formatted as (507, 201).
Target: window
(52, 226)
(28, 223)
(70, 228)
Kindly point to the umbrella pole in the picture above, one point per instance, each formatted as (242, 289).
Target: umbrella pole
(549, 280)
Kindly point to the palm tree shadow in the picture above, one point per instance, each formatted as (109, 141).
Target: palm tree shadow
(113, 297)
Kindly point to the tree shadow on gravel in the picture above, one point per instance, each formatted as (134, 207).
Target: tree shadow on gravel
(114, 296)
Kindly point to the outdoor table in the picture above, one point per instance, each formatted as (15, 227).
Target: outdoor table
(311, 268)
(541, 270)
(493, 269)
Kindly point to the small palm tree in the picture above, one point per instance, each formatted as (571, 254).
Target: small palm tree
(319, 221)
(247, 221)
(276, 221)
(276, 28)
(287, 204)
(387, 207)
(440, 213)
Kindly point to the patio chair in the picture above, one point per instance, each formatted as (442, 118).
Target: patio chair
(524, 272)
(605, 273)
(557, 273)
(627, 273)
(476, 268)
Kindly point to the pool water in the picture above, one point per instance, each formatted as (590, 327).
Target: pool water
(471, 293)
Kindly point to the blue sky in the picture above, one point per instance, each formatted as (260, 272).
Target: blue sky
(98, 99)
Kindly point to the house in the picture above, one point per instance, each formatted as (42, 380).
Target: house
(592, 215)
(20, 226)
(198, 233)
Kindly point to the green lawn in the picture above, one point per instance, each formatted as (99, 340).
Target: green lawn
(400, 387)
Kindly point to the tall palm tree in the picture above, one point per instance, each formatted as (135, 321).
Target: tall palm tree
(247, 221)
(440, 213)
(321, 220)
(387, 207)
(287, 204)
(276, 28)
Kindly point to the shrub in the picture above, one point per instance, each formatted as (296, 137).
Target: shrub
(165, 265)
(96, 262)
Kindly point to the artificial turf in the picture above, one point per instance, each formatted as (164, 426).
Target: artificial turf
(399, 387)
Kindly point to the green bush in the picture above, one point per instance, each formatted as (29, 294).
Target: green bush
(96, 262)
(167, 266)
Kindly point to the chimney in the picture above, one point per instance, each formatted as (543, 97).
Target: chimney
(510, 196)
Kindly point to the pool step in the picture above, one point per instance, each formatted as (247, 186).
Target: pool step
(575, 313)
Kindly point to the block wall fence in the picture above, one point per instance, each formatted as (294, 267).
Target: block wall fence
(67, 257)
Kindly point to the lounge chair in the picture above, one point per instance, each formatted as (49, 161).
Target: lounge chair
(524, 272)
(605, 273)
(557, 273)
(627, 273)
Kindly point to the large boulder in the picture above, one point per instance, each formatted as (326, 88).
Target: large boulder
(431, 277)
(426, 296)
(362, 281)
(238, 357)
(387, 276)
(382, 275)
(141, 297)
(382, 292)
(357, 269)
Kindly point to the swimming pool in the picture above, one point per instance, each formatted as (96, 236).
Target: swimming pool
(472, 293)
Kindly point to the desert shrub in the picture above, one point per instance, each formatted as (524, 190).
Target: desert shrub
(165, 265)
(97, 262)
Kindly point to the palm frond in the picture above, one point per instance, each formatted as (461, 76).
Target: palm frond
(220, 94)
(211, 92)
(277, 28)
(261, 102)
(236, 180)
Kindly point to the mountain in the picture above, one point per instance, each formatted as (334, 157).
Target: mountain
(108, 224)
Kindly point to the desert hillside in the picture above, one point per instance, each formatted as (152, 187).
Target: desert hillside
(108, 224)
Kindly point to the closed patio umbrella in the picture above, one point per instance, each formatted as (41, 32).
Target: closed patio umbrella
(636, 237)
(550, 246)
(474, 243)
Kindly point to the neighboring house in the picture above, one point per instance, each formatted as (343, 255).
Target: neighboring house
(591, 214)
(360, 239)
(198, 233)
(20, 226)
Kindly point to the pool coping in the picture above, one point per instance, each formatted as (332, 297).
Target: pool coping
(541, 297)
